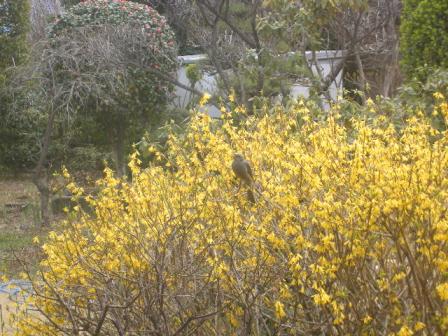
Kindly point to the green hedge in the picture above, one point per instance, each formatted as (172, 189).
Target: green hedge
(14, 27)
(14, 128)
(424, 35)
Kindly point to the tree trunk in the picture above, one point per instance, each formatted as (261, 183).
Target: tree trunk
(391, 70)
(362, 83)
(44, 191)
(40, 174)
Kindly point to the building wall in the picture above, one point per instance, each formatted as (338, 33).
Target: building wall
(326, 60)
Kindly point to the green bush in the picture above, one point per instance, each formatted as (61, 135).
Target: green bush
(14, 26)
(69, 3)
(424, 36)
(17, 142)
(420, 94)
(19, 137)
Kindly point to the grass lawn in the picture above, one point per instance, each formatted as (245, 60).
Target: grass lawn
(15, 240)
(19, 217)
(15, 246)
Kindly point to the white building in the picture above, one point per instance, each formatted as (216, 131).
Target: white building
(326, 60)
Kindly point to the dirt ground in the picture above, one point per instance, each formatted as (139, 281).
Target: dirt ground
(19, 224)
(6, 306)
(19, 217)
(18, 204)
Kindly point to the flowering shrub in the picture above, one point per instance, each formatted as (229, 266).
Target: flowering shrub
(115, 12)
(347, 236)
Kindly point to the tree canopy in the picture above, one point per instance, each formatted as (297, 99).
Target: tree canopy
(14, 26)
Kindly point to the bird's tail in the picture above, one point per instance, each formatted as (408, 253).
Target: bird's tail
(250, 196)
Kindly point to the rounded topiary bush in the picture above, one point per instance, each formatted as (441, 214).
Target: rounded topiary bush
(108, 59)
(159, 50)
(116, 12)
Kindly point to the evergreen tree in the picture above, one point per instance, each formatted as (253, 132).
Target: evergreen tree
(424, 36)
(14, 27)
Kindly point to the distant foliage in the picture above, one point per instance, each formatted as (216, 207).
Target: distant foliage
(14, 26)
(17, 130)
(347, 235)
(68, 3)
(424, 35)
(20, 133)
(420, 95)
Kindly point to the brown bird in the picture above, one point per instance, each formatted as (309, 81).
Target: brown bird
(243, 171)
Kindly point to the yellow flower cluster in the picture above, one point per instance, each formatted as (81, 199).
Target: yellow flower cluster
(347, 236)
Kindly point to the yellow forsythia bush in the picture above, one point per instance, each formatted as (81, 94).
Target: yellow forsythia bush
(347, 236)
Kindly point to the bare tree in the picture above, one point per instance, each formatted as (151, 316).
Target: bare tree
(371, 36)
(94, 69)
(234, 32)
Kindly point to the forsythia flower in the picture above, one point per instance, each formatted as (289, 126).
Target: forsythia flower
(442, 290)
(348, 229)
(204, 99)
(405, 331)
(438, 95)
(367, 319)
(232, 96)
(279, 310)
(321, 297)
(419, 326)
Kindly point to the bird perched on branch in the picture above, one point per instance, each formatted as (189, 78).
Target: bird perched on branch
(242, 169)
